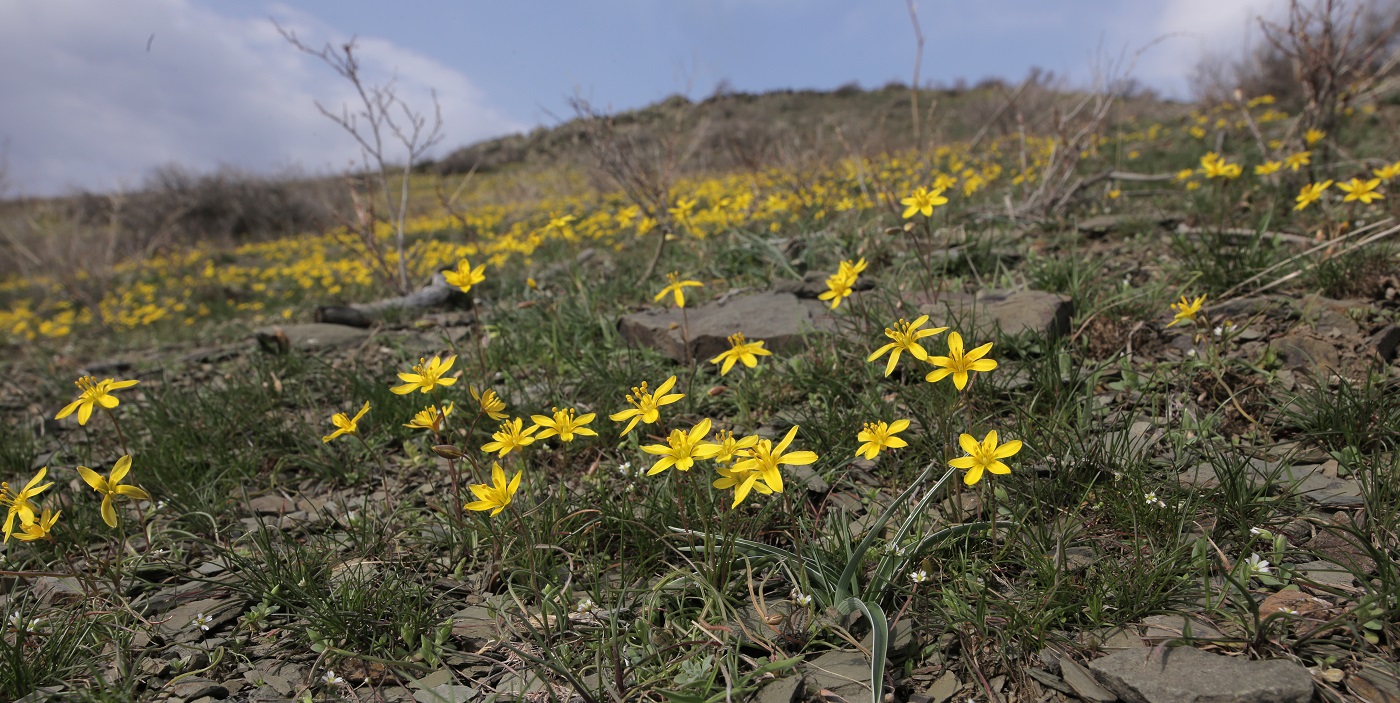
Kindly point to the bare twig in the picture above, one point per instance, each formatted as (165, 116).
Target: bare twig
(381, 118)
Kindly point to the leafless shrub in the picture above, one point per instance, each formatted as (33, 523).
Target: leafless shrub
(643, 164)
(1320, 59)
(381, 122)
(1338, 52)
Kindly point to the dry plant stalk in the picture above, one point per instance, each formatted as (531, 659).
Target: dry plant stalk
(645, 173)
(1337, 53)
(381, 119)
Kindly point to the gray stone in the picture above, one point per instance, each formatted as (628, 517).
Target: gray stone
(1186, 675)
(1011, 311)
(846, 674)
(1325, 573)
(1165, 628)
(452, 693)
(784, 690)
(813, 284)
(781, 320)
(193, 688)
(1083, 683)
(310, 336)
(944, 688)
(279, 684)
(1385, 342)
(1300, 351)
(474, 622)
(1100, 225)
(807, 478)
(516, 686)
(179, 623)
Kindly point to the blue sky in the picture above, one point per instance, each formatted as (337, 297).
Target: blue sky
(99, 93)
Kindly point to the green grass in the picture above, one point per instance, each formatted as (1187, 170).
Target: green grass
(693, 601)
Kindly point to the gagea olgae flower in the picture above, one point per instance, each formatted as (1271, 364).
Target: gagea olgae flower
(111, 487)
(426, 376)
(960, 364)
(646, 404)
(94, 393)
(676, 288)
(906, 338)
(742, 351)
(345, 424)
(984, 456)
(496, 496)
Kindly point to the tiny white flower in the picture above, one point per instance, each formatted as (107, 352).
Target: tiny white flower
(202, 621)
(585, 606)
(1258, 566)
(801, 598)
(1218, 331)
(331, 679)
(919, 576)
(1152, 499)
(1288, 611)
(1191, 353)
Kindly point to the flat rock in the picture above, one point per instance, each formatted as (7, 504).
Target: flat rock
(1010, 311)
(310, 336)
(781, 320)
(179, 623)
(1385, 342)
(1100, 225)
(1187, 675)
(475, 622)
(847, 674)
(1301, 351)
(813, 284)
(784, 690)
(1163, 628)
(1083, 683)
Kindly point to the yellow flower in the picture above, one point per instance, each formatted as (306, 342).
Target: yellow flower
(1114, 194)
(960, 364)
(563, 424)
(1311, 193)
(1357, 189)
(426, 376)
(1267, 168)
(740, 350)
(490, 403)
(878, 435)
(1386, 173)
(1213, 166)
(923, 201)
(428, 418)
(840, 285)
(1298, 160)
(742, 481)
(111, 486)
(1313, 136)
(985, 456)
(465, 276)
(344, 424)
(94, 393)
(838, 288)
(1185, 174)
(646, 403)
(1197, 132)
(494, 497)
(906, 338)
(38, 529)
(510, 437)
(677, 288)
(727, 448)
(1186, 310)
(762, 463)
(681, 449)
(21, 505)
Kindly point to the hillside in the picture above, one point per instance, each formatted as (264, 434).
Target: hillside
(733, 131)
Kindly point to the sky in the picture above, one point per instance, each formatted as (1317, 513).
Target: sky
(97, 94)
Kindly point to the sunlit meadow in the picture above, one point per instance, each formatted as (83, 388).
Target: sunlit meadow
(543, 508)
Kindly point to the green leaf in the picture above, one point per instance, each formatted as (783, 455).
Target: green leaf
(879, 642)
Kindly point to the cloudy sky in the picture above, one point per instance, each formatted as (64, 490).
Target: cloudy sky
(97, 93)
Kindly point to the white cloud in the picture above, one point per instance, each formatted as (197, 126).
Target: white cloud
(1193, 29)
(86, 104)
